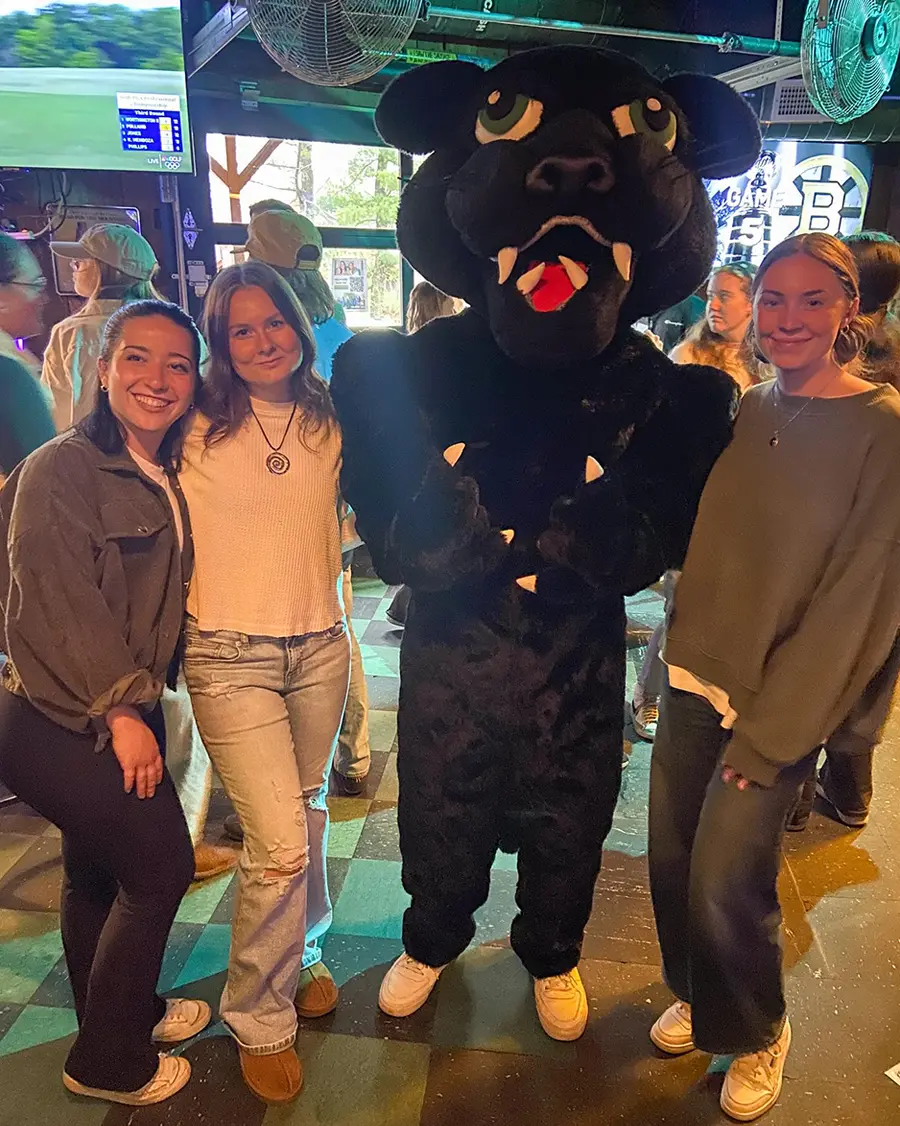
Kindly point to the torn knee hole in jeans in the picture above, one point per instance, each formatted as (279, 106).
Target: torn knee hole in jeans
(285, 863)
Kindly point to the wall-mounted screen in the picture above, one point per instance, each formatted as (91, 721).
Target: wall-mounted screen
(93, 85)
(795, 186)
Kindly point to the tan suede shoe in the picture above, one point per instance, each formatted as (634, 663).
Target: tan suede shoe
(317, 995)
(277, 1078)
(211, 861)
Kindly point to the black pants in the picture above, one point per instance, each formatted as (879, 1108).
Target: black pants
(510, 745)
(127, 864)
(715, 852)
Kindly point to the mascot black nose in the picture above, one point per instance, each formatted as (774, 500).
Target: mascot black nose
(570, 175)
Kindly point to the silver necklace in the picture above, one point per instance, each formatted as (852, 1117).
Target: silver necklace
(779, 430)
(276, 462)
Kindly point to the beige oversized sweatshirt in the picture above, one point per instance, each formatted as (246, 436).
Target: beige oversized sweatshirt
(790, 596)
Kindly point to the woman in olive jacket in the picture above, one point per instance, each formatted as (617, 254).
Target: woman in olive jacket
(92, 589)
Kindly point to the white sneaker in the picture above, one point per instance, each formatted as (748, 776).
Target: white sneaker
(754, 1081)
(674, 1031)
(171, 1075)
(184, 1018)
(562, 1006)
(645, 719)
(407, 986)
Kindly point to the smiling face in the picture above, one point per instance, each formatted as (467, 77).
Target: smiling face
(150, 379)
(557, 200)
(800, 307)
(265, 350)
(728, 306)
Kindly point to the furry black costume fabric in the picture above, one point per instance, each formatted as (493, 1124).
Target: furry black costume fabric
(562, 199)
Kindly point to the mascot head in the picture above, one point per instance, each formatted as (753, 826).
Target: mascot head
(563, 194)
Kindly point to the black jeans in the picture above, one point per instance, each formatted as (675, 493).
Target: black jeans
(127, 864)
(715, 852)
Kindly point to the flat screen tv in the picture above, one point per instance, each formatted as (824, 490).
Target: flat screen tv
(93, 85)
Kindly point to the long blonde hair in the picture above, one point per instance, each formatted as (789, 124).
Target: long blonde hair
(708, 347)
(427, 303)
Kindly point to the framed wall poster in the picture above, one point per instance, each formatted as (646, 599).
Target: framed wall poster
(349, 283)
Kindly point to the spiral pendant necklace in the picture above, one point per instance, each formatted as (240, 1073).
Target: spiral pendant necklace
(276, 462)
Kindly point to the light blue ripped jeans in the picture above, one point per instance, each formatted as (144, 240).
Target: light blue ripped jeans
(269, 711)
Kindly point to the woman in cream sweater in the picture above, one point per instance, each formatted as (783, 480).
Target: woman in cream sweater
(267, 654)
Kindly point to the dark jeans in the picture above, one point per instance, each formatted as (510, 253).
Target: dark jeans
(127, 863)
(715, 852)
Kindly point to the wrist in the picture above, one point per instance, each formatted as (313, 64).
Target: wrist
(121, 715)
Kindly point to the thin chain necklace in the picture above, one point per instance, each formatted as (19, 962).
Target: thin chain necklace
(276, 462)
(779, 430)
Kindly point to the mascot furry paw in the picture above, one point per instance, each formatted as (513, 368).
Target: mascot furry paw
(524, 465)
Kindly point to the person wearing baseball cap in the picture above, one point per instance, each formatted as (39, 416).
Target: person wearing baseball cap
(112, 266)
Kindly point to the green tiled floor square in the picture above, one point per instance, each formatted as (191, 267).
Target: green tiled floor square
(372, 900)
(347, 820)
(30, 946)
(382, 729)
(202, 899)
(379, 660)
(38, 1024)
(209, 956)
(33, 1094)
(348, 1079)
(366, 587)
(486, 1001)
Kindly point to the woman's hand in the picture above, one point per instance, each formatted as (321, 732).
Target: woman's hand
(729, 774)
(135, 746)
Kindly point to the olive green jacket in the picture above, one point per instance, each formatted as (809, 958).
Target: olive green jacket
(92, 584)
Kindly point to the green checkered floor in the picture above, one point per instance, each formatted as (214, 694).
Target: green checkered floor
(475, 1053)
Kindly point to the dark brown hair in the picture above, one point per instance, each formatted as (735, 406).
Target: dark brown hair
(101, 425)
(427, 303)
(312, 290)
(877, 258)
(834, 254)
(114, 285)
(225, 399)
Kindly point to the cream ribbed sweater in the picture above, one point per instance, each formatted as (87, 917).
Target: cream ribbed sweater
(267, 549)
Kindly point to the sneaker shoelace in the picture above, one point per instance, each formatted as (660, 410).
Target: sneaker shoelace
(561, 983)
(418, 969)
(756, 1069)
(649, 713)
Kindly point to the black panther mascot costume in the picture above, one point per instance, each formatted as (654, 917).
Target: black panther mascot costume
(526, 464)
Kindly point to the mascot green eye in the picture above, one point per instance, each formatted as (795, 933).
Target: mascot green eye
(507, 117)
(650, 118)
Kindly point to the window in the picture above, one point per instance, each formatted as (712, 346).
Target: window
(335, 185)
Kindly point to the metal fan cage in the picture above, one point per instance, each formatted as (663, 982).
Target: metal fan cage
(333, 42)
(849, 57)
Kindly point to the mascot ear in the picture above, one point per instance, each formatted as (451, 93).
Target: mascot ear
(724, 133)
(422, 110)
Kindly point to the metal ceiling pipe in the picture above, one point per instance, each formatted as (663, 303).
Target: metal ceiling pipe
(726, 42)
(878, 126)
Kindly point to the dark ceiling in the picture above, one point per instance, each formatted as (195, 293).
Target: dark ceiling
(752, 17)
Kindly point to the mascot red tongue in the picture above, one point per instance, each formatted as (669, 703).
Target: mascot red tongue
(517, 550)
(553, 290)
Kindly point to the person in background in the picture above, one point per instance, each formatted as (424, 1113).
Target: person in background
(721, 340)
(796, 543)
(92, 585)
(844, 782)
(670, 326)
(25, 421)
(267, 659)
(426, 303)
(292, 245)
(112, 266)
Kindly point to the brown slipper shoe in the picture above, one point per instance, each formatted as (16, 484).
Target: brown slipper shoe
(276, 1078)
(317, 995)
